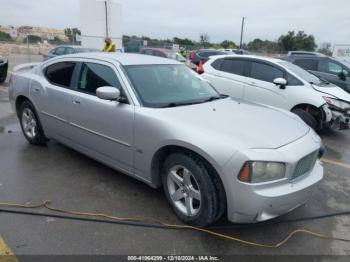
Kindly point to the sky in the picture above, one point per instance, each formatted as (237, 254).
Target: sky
(328, 21)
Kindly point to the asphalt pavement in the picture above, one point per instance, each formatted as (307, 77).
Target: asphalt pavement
(72, 181)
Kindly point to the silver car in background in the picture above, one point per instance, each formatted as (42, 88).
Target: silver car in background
(157, 121)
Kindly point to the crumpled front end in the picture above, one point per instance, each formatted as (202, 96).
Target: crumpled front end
(337, 119)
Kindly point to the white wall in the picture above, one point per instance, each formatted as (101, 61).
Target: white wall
(341, 51)
(93, 23)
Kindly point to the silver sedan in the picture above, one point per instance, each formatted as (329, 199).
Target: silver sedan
(157, 121)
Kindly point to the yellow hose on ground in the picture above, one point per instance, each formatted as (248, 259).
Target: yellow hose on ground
(46, 204)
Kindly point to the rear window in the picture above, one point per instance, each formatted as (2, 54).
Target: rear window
(207, 54)
(60, 74)
(217, 64)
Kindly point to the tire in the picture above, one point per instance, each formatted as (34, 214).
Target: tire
(30, 124)
(185, 177)
(307, 118)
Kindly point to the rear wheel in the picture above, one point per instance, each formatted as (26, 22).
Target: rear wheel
(309, 119)
(30, 124)
(190, 190)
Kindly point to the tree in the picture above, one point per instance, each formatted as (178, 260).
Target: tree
(264, 46)
(32, 39)
(204, 39)
(70, 33)
(326, 49)
(5, 36)
(183, 42)
(299, 41)
(228, 44)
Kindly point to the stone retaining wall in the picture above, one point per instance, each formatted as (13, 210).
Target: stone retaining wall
(7, 49)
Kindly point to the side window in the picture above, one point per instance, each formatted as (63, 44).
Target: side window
(292, 81)
(157, 53)
(60, 51)
(265, 72)
(69, 51)
(330, 67)
(148, 52)
(60, 74)
(93, 76)
(233, 66)
(307, 64)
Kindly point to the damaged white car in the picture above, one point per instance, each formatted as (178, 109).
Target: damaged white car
(280, 84)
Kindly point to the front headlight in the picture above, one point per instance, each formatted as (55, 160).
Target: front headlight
(261, 172)
(337, 103)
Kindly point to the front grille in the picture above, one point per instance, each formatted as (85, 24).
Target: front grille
(305, 165)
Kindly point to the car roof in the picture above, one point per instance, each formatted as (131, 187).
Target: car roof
(126, 58)
(305, 53)
(263, 58)
(165, 50)
(75, 47)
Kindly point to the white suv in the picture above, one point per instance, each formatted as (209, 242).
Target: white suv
(280, 84)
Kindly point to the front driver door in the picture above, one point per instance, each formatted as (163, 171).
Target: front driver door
(330, 70)
(103, 129)
(261, 88)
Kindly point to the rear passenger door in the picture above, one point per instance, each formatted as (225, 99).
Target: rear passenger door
(100, 128)
(52, 97)
(261, 88)
(230, 77)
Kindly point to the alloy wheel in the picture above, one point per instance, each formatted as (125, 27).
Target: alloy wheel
(184, 190)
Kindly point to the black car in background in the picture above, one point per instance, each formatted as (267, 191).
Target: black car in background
(203, 55)
(3, 69)
(333, 70)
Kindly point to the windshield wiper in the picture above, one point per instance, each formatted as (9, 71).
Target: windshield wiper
(213, 98)
(210, 99)
(174, 104)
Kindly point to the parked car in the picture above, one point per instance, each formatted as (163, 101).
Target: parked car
(203, 55)
(3, 69)
(281, 84)
(336, 71)
(133, 46)
(159, 122)
(67, 50)
(163, 52)
(234, 51)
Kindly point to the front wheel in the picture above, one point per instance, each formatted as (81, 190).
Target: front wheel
(190, 190)
(30, 124)
(309, 119)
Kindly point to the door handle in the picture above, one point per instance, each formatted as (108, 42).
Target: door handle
(76, 102)
(36, 89)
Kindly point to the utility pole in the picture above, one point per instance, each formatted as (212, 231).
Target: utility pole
(106, 10)
(242, 30)
(28, 49)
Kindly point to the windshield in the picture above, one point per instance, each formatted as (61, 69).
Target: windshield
(169, 85)
(303, 74)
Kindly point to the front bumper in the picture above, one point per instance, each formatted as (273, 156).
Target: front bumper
(251, 203)
(336, 119)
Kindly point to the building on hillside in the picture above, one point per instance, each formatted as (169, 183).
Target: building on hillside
(21, 32)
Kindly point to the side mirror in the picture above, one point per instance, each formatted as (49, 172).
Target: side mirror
(342, 75)
(281, 82)
(108, 93)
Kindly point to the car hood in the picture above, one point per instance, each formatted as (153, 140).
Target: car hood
(332, 90)
(248, 125)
